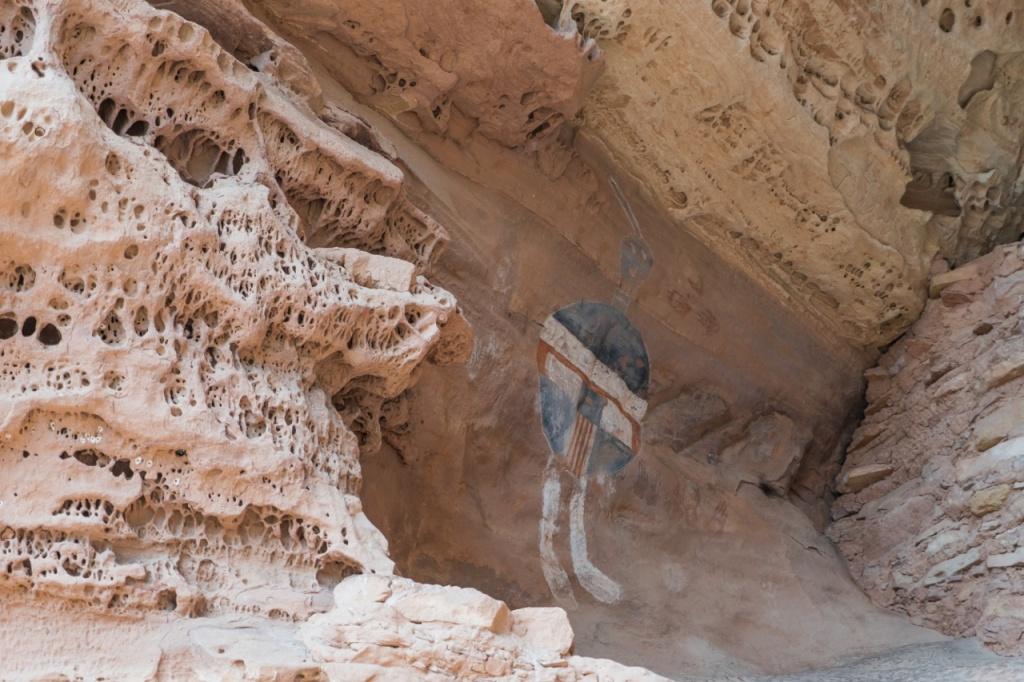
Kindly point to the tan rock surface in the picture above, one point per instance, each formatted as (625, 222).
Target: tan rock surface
(399, 627)
(828, 164)
(171, 348)
(166, 322)
(216, 322)
(185, 372)
(809, 131)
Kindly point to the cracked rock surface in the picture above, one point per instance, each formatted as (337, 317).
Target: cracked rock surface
(930, 518)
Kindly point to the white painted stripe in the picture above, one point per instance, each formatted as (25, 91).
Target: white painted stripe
(591, 578)
(561, 339)
(563, 377)
(555, 576)
(616, 424)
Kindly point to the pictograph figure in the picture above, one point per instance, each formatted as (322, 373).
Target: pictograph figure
(594, 373)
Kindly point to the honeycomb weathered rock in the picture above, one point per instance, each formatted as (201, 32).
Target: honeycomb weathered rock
(167, 320)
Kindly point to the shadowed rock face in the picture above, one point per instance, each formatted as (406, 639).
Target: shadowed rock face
(240, 398)
(211, 283)
(829, 165)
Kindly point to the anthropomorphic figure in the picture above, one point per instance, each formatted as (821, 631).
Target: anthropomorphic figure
(594, 374)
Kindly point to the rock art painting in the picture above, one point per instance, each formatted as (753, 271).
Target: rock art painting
(594, 373)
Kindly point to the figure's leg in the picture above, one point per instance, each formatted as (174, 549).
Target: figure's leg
(593, 580)
(554, 574)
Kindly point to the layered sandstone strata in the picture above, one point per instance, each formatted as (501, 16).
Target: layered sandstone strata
(930, 510)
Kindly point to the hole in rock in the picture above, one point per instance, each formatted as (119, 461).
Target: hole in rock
(946, 20)
(167, 600)
(8, 327)
(927, 192)
(196, 155)
(332, 573)
(982, 77)
(49, 335)
(122, 467)
(137, 128)
(17, 28)
(86, 457)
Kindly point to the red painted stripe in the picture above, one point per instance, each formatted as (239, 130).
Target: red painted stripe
(570, 452)
(577, 436)
(576, 443)
(583, 448)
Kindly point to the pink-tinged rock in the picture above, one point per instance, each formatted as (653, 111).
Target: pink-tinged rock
(861, 477)
(945, 280)
(1001, 625)
(365, 588)
(951, 568)
(951, 428)
(770, 452)
(372, 270)
(954, 296)
(1001, 463)
(1008, 560)
(544, 629)
(1007, 365)
(994, 427)
(457, 605)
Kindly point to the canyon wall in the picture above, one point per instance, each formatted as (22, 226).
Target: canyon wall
(930, 516)
(183, 368)
(320, 322)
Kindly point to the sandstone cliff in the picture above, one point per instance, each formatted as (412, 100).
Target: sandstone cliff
(322, 321)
